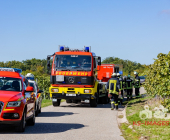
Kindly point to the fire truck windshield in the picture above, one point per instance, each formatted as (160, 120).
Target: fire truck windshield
(10, 84)
(73, 62)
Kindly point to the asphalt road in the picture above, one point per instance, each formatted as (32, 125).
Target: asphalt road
(70, 122)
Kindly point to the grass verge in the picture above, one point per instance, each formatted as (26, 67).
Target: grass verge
(47, 102)
(145, 125)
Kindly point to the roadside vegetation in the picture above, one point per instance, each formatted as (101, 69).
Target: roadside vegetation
(48, 102)
(143, 125)
(128, 66)
(157, 81)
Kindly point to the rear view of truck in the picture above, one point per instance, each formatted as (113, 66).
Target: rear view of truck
(104, 74)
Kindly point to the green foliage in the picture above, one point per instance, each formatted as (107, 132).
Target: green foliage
(128, 66)
(158, 76)
(37, 67)
(25, 65)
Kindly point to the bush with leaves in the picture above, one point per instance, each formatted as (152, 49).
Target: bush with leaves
(158, 77)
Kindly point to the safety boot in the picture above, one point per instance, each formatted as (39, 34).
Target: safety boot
(112, 106)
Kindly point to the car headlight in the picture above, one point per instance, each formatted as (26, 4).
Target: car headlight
(54, 90)
(87, 91)
(14, 104)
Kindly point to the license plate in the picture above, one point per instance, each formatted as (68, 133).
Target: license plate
(55, 100)
(70, 94)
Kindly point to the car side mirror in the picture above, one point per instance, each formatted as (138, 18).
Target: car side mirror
(40, 91)
(48, 62)
(29, 89)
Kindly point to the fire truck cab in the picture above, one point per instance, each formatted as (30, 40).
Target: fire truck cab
(74, 76)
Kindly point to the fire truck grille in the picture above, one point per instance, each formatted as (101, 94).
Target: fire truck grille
(1, 106)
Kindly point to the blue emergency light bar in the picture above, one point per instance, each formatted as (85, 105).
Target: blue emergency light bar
(62, 48)
(11, 69)
(87, 48)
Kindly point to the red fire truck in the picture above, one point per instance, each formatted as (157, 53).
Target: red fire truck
(74, 76)
(104, 74)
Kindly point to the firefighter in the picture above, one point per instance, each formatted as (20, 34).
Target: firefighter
(113, 86)
(124, 84)
(136, 84)
(121, 87)
(129, 87)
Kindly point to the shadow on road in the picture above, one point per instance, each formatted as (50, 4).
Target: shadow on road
(54, 114)
(42, 128)
(85, 105)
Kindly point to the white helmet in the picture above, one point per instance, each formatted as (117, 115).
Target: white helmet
(135, 73)
(114, 74)
(118, 74)
(30, 76)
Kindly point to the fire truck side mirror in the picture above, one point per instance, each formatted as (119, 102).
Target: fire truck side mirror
(48, 63)
(99, 61)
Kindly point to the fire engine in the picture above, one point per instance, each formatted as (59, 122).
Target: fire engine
(104, 74)
(74, 76)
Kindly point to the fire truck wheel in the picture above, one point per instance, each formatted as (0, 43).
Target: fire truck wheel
(21, 127)
(68, 101)
(31, 121)
(57, 103)
(93, 102)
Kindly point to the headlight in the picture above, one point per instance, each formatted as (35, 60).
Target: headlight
(14, 104)
(87, 91)
(54, 90)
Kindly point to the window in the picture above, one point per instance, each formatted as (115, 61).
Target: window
(10, 84)
(73, 62)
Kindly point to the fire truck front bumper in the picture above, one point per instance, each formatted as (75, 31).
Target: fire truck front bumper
(72, 96)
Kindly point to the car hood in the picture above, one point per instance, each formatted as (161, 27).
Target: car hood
(6, 96)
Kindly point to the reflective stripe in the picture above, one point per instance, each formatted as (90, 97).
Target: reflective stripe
(112, 102)
(116, 104)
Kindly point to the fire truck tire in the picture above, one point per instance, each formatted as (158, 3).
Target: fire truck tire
(31, 121)
(21, 127)
(93, 102)
(57, 103)
(68, 101)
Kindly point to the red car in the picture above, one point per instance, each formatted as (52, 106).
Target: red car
(17, 102)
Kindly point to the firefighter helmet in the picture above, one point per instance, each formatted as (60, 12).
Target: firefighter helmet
(118, 74)
(135, 73)
(30, 76)
(114, 74)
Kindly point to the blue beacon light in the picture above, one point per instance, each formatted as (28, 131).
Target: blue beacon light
(86, 49)
(61, 48)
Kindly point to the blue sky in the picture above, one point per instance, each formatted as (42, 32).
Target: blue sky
(136, 30)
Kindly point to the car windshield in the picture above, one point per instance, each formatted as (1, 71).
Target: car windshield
(73, 62)
(10, 84)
